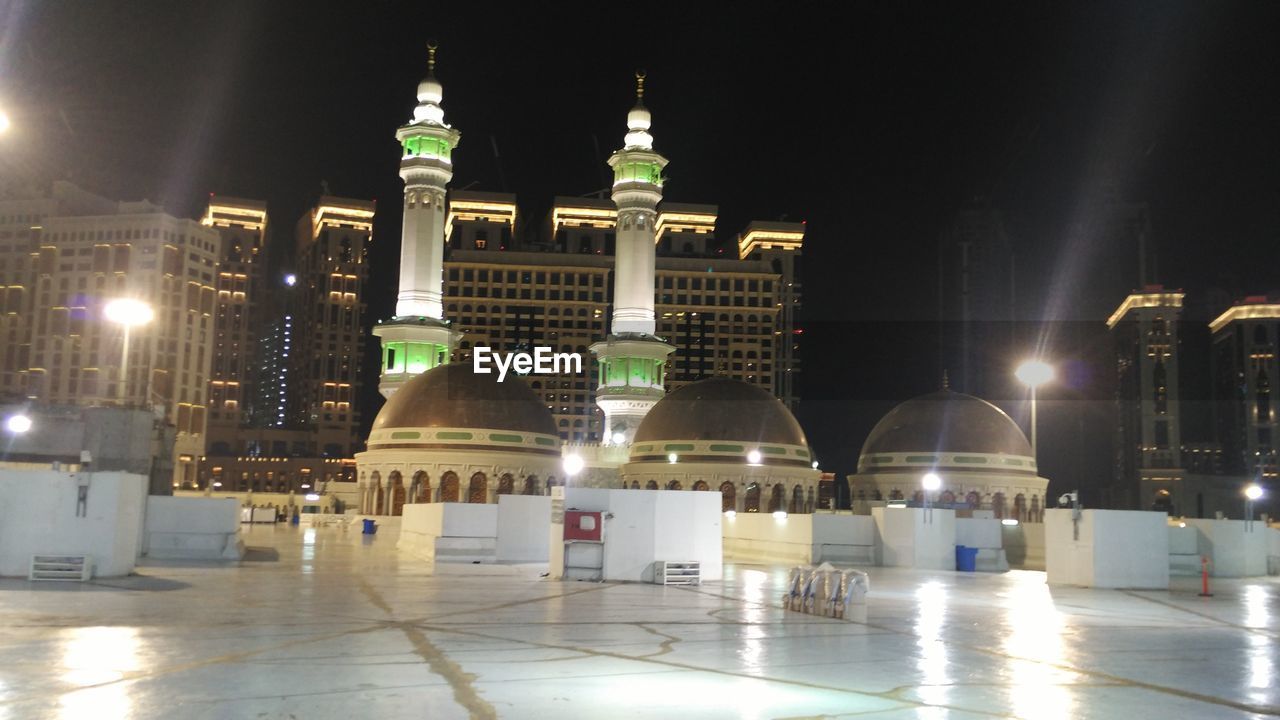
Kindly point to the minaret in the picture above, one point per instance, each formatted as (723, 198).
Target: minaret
(632, 359)
(418, 338)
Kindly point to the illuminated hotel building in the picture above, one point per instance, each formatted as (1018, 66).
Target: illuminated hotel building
(242, 224)
(332, 268)
(1245, 369)
(60, 274)
(724, 315)
(1147, 468)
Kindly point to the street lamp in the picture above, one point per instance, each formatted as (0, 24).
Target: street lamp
(1251, 493)
(17, 424)
(127, 313)
(1033, 374)
(930, 482)
(573, 465)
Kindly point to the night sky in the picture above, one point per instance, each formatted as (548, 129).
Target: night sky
(874, 124)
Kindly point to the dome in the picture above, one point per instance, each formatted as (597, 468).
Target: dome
(946, 422)
(453, 396)
(721, 409)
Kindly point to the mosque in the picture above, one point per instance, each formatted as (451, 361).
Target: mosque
(448, 434)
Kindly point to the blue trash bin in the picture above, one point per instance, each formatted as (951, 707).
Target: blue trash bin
(370, 526)
(966, 559)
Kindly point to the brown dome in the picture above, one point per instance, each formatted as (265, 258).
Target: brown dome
(946, 422)
(721, 409)
(453, 396)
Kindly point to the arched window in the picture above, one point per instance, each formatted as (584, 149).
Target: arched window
(752, 504)
(701, 485)
(506, 484)
(635, 484)
(797, 500)
(947, 498)
(478, 489)
(531, 485)
(997, 505)
(777, 499)
(728, 496)
(449, 487)
(1020, 507)
(651, 485)
(895, 494)
(421, 490)
(675, 485)
(973, 499)
(397, 492)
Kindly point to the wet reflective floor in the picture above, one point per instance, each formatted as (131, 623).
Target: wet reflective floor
(327, 623)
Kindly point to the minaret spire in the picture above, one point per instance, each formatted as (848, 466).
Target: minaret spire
(417, 338)
(633, 359)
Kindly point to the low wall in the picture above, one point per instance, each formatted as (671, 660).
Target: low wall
(1024, 545)
(192, 528)
(840, 538)
(448, 532)
(1234, 548)
(655, 525)
(762, 538)
(40, 518)
(524, 528)
(1108, 549)
(916, 537)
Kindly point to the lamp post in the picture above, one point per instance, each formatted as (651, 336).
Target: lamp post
(127, 313)
(1033, 374)
(1251, 493)
(573, 465)
(930, 482)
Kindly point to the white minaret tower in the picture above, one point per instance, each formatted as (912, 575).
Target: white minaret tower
(632, 360)
(418, 338)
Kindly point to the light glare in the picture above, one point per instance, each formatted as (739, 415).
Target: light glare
(573, 465)
(18, 424)
(931, 481)
(1253, 492)
(129, 312)
(1034, 373)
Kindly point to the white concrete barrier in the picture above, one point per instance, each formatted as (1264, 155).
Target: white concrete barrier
(648, 526)
(843, 538)
(192, 528)
(1107, 548)
(1234, 548)
(41, 518)
(762, 538)
(916, 537)
(1024, 545)
(524, 528)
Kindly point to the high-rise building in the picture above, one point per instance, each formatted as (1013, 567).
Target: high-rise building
(781, 245)
(242, 225)
(332, 268)
(66, 268)
(976, 302)
(1148, 468)
(720, 314)
(1244, 367)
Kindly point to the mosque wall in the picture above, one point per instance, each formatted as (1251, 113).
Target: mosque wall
(389, 480)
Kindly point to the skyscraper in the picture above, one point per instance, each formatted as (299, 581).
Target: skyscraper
(1244, 369)
(242, 225)
(1148, 469)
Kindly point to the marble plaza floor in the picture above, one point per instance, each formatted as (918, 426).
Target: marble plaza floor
(327, 623)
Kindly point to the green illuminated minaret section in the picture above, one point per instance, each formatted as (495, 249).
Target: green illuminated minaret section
(418, 338)
(632, 359)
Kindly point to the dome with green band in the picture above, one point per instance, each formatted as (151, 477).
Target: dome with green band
(721, 409)
(453, 396)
